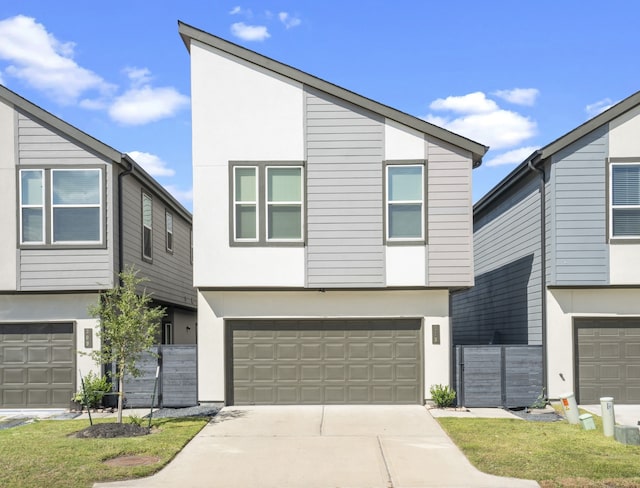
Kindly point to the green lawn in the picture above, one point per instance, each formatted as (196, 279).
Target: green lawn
(43, 454)
(555, 454)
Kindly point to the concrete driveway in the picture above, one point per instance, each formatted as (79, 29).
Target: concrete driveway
(321, 447)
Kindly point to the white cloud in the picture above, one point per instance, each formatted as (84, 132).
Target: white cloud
(598, 107)
(151, 163)
(141, 105)
(238, 10)
(44, 62)
(138, 76)
(250, 32)
(519, 96)
(515, 156)
(482, 120)
(472, 103)
(288, 20)
(183, 196)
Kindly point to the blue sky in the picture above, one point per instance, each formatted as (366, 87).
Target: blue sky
(511, 75)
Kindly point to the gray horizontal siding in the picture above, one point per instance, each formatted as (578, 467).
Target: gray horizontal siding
(504, 306)
(578, 224)
(62, 269)
(170, 274)
(449, 219)
(344, 147)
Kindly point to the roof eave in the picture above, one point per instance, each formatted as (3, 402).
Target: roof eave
(189, 33)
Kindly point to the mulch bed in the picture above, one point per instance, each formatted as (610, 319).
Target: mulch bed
(112, 430)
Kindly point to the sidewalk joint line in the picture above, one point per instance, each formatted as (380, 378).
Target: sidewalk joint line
(322, 420)
(386, 466)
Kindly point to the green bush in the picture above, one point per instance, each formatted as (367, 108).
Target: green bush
(95, 387)
(442, 396)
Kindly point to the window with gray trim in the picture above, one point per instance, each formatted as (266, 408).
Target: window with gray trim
(267, 203)
(168, 218)
(147, 227)
(405, 201)
(625, 200)
(61, 206)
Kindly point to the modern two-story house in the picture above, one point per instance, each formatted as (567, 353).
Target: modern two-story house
(328, 231)
(557, 260)
(75, 212)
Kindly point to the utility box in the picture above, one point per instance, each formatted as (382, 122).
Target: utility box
(570, 407)
(586, 421)
(627, 434)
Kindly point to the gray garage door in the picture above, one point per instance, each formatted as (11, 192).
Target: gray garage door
(324, 362)
(37, 364)
(608, 360)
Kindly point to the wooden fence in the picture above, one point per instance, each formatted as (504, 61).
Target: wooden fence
(498, 376)
(177, 381)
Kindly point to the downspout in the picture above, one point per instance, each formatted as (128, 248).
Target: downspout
(534, 165)
(121, 211)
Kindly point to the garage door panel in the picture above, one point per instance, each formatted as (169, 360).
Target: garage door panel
(62, 354)
(62, 376)
(39, 376)
(15, 355)
(12, 398)
(607, 361)
(14, 376)
(324, 361)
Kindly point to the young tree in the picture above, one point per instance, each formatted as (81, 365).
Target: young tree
(129, 327)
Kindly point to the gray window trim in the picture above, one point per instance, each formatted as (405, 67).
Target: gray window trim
(48, 208)
(404, 242)
(261, 169)
(609, 200)
(148, 259)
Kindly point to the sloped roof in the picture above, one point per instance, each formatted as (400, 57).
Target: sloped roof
(189, 33)
(91, 143)
(552, 148)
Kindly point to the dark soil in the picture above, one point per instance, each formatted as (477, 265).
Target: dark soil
(112, 430)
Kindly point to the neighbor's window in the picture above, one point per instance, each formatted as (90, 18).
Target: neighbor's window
(72, 209)
(625, 200)
(405, 202)
(169, 228)
(267, 203)
(32, 206)
(76, 196)
(284, 203)
(147, 226)
(245, 203)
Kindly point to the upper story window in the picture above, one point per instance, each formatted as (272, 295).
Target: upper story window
(267, 206)
(625, 200)
(147, 227)
(168, 217)
(61, 206)
(405, 213)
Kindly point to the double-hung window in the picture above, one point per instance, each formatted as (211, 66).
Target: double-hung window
(61, 206)
(267, 203)
(168, 219)
(405, 201)
(147, 227)
(625, 200)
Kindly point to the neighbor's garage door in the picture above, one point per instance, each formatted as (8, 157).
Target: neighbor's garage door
(37, 362)
(608, 359)
(324, 362)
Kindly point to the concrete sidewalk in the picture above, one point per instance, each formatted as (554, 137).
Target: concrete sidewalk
(321, 447)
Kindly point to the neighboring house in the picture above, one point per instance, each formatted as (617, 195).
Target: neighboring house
(328, 232)
(75, 212)
(558, 264)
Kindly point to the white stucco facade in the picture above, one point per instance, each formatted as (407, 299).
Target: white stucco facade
(214, 307)
(8, 214)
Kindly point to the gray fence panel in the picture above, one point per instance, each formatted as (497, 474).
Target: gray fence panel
(179, 376)
(498, 376)
(177, 382)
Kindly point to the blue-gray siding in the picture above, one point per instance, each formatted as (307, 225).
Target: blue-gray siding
(579, 212)
(449, 215)
(62, 269)
(504, 306)
(344, 145)
(170, 274)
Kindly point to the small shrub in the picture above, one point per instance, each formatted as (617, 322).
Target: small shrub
(136, 420)
(541, 401)
(442, 396)
(95, 387)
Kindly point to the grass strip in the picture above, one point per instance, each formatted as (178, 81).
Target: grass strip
(44, 453)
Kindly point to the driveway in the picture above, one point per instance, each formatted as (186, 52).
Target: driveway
(321, 447)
